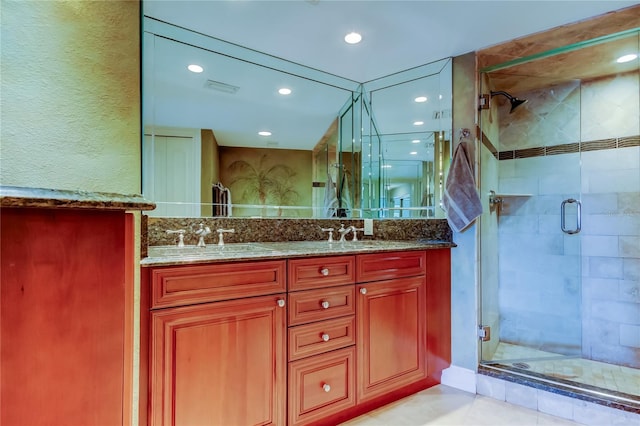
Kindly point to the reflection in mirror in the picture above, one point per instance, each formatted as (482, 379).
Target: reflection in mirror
(408, 139)
(205, 153)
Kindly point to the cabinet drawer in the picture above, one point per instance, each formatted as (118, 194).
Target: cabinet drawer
(318, 337)
(321, 272)
(315, 305)
(321, 385)
(185, 285)
(384, 266)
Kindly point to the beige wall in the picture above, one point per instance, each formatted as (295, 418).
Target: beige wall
(71, 95)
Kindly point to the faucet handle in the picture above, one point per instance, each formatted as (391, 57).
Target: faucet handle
(180, 233)
(355, 232)
(330, 231)
(220, 232)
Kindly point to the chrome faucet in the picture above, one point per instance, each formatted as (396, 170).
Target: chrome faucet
(221, 232)
(202, 232)
(343, 231)
(180, 233)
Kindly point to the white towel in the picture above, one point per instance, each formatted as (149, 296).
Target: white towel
(330, 198)
(461, 201)
(345, 195)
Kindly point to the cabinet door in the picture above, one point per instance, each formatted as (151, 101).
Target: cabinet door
(220, 363)
(391, 338)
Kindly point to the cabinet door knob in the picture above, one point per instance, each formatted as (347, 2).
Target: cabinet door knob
(281, 303)
(325, 304)
(325, 337)
(324, 271)
(363, 290)
(326, 387)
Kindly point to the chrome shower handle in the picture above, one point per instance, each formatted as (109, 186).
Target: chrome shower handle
(578, 216)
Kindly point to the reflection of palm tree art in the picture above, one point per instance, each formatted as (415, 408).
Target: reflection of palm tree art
(267, 183)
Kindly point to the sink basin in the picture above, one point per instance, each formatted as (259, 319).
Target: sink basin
(322, 246)
(188, 251)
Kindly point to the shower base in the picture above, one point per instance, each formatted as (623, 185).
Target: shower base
(603, 381)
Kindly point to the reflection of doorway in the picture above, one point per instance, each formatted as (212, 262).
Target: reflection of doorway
(171, 173)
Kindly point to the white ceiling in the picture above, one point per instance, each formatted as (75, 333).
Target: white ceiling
(397, 35)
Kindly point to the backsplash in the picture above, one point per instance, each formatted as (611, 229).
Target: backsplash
(281, 230)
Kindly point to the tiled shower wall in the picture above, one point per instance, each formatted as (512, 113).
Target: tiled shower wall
(573, 294)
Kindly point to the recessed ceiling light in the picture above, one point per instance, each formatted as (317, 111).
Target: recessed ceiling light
(386, 166)
(264, 133)
(284, 91)
(353, 38)
(626, 58)
(414, 153)
(421, 99)
(418, 123)
(415, 141)
(195, 68)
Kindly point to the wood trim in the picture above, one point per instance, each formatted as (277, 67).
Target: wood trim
(438, 308)
(144, 406)
(129, 317)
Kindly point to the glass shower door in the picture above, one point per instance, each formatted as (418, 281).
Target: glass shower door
(530, 244)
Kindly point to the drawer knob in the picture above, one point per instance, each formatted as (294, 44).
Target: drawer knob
(324, 271)
(326, 387)
(281, 303)
(325, 304)
(325, 337)
(363, 290)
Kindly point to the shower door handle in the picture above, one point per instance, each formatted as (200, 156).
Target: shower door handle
(578, 216)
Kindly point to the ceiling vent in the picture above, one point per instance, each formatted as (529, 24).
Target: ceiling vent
(441, 114)
(221, 87)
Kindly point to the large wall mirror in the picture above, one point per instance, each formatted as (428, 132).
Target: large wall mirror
(225, 142)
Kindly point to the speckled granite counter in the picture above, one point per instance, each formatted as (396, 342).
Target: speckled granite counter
(15, 196)
(173, 255)
(249, 230)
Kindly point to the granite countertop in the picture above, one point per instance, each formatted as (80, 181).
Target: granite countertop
(16, 196)
(173, 255)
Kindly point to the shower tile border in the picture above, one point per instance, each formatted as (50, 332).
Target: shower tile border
(570, 148)
(562, 387)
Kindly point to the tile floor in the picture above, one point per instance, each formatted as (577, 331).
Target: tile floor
(607, 376)
(447, 406)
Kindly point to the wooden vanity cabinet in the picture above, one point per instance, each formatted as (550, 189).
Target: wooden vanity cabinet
(218, 354)
(296, 342)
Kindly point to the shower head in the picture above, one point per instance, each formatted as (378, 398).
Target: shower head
(515, 102)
